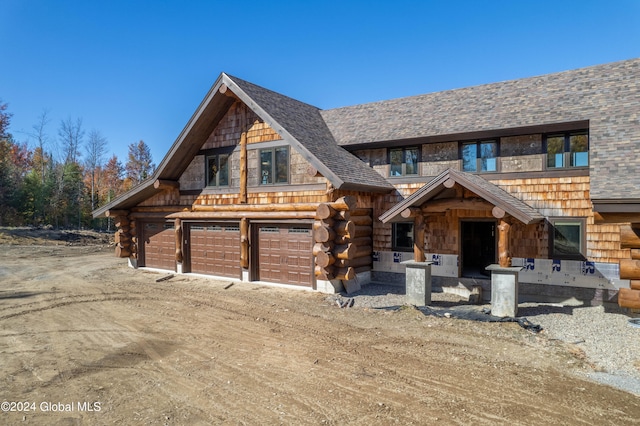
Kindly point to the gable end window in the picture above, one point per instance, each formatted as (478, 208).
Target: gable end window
(479, 156)
(567, 238)
(217, 169)
(567, 150)
(404, 161)
(274, 165)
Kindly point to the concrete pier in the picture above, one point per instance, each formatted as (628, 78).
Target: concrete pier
(418, 282)
(504, 290)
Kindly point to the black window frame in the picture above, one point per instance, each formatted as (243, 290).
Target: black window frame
(215, 155)
(582, 232)
(403, 170)
(479, 159)
(567, 154)
(408, 234)
(263, 179)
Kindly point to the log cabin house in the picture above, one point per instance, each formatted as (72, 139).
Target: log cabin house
(541, 172)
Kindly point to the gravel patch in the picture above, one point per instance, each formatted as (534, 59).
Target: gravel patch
(604, 334)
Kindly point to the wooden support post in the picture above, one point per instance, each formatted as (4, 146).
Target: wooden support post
(418, 238)
(504, 255)
(244, 243)
(178, 234)
(243, 167)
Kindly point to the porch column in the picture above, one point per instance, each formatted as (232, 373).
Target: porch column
(419, 226)
(178, 241)
(504, 228)
(244, 248)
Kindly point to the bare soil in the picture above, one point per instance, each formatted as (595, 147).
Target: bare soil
(84, 339)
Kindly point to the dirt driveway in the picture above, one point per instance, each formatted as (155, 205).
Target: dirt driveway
(86, 340)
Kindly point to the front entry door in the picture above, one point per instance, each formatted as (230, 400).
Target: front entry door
(478, 248)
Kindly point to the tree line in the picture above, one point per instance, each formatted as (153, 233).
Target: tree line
(58, 180)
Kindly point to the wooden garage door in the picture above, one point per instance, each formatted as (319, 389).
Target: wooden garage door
(284, 254)
(215, 249)
(159, 245)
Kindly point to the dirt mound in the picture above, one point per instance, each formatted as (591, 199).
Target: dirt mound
(50, 236)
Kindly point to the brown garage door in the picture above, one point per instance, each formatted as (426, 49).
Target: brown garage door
(284, 254)
(159, 245)
(215, 249)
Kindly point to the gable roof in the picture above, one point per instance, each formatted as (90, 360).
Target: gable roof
(298, 123)
(476, 184)
(604, 98)
(302, 125)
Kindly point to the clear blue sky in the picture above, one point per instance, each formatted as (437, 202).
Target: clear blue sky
(138, 69)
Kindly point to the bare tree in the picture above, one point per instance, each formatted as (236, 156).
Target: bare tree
(96, 149)
(71, 135)
(42, 139)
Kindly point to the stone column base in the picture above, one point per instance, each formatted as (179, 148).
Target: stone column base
(418, 282)
(504, 290)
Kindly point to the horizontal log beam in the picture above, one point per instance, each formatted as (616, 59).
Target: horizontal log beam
(166, 184)
(411, 212)
(323, 234)
(161, 209)
(114, 213)
(122, 251)
(325, 258)
(345, 251)
(634, 284)
(628, 298)
(322, 246)
(629, 236)
(283, 207)
(629, 269)
(436, 206)
(242, 214)
(354, 263)
(345, 227)
(635, 254)
(347, 273)
(601, 217)
(349, 214)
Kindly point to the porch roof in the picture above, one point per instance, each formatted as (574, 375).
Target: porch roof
(483, 188)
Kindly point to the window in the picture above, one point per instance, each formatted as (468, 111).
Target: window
(403, 161)
(567, 238)
(567, 150)
(218, 170)
(274, 165)
(402, 236)
(479, 156)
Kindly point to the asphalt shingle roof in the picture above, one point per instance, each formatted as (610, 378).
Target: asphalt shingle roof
(305, 124)
(608, 96)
